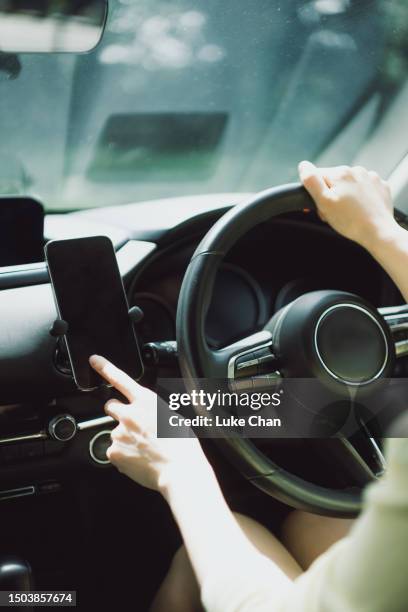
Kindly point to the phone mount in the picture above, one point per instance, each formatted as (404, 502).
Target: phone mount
(59, 330)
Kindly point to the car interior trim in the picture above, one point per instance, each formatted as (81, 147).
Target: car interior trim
(41, 435)
(92, 423)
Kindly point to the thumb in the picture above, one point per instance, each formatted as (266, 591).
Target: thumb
(313, 181)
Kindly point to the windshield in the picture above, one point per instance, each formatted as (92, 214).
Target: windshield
(205, 96)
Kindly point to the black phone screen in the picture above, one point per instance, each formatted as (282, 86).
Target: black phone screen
(90, 297)
(21, 231)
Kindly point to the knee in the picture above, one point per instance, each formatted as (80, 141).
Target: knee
(179, 591)
(180, 561)
(308, 535)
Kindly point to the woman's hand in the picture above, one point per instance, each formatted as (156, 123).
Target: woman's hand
(355, 202)
(136, 450)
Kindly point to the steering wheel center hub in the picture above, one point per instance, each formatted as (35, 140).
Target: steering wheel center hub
(351, 344)
(334, 336)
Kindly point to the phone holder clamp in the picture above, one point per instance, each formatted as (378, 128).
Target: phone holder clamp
(136, 314)
(59, 328)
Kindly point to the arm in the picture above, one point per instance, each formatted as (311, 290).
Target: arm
(221, 554)
(232, 574)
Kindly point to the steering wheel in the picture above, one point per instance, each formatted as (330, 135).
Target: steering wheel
(301, 334)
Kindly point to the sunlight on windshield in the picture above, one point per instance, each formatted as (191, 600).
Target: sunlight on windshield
(201, 96)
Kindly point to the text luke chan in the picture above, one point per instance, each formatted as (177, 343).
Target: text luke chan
(255, 420)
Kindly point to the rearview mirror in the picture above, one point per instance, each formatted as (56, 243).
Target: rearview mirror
(49, 26)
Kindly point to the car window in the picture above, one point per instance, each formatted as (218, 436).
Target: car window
(200, 96)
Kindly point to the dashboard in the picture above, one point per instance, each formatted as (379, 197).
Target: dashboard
(276, 263)
(273, 264)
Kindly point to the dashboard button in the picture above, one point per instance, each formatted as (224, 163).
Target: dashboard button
(241, 385)
(266, 361)
(263, 353)
(99, 445)
(246, 365)
(266, 381)
(62, 427)
(260, 361)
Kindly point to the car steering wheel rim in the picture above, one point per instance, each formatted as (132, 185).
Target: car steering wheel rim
(198, 360)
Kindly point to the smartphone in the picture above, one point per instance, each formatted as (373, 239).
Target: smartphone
(90, 297)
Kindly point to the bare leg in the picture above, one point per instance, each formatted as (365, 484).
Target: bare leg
(179, 591)
(306, 535)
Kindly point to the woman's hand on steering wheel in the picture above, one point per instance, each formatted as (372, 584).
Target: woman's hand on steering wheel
(356, 202)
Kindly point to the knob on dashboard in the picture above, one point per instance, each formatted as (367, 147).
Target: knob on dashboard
(62, 427)
(99, 445)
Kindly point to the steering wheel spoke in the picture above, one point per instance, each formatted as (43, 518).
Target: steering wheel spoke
(362, 457)
(249, 363)
(396, 318)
